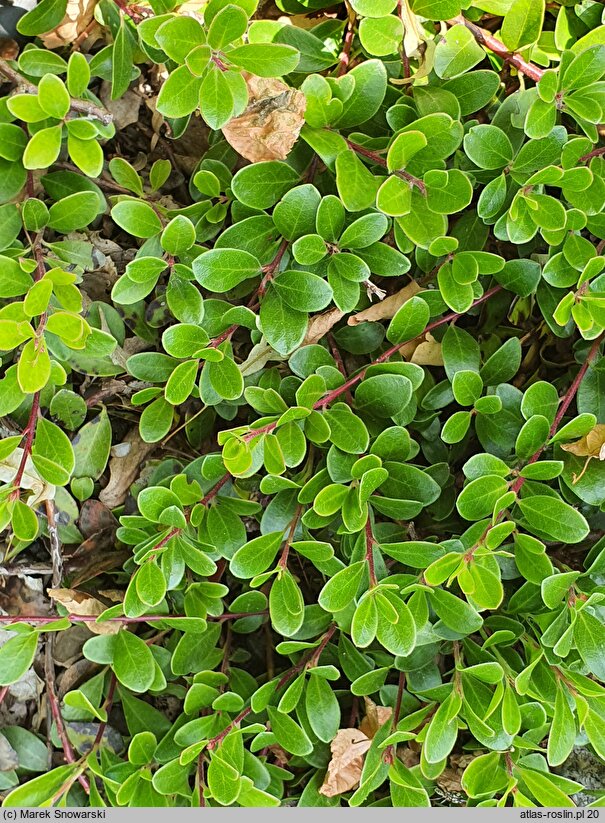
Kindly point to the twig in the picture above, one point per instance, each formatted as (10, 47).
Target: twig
(271, 268)
(370, 541)
(144, 618)
(484, 38)
(55, 544)
(380, 161)
(352, 381)
(84, 107)
(347, 44)
(591, 154)
(49, 669)
(566, 401)
(309, 659)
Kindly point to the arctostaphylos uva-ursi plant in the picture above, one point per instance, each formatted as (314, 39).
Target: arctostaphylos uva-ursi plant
(303, 398)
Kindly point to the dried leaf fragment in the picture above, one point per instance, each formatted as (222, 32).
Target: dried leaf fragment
(427, 353)
(320, 325)
(387, 308)
(271, 123)
(376, 717)
(592, 445)
(124, 470)
(78, 16)
(348, 749)
(344, 769)
(84, 605)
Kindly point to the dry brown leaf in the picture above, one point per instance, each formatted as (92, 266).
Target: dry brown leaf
(41, 490)
(348, 749)
(124, 110)
(376, 717)
(123, 471)
(320, 325)
(78, 16)
(427, 353)
(271, 123)
(387, 308)
(344, 769)
(592, 445)
(84, 605)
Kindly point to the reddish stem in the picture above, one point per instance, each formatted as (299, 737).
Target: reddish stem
(270, 269)
(370, 553)
(145, 618)
(566, 401)
(380, 161)
(591, 154)
(347, 44)
(309, 659)
(484, 38)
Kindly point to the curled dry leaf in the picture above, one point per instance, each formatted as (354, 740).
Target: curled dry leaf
(427, 353)
(41, 490)
(592, 445)
(78, 17)
(320, 325)
(348, 749)
(376, 717)
(344, 769)
(387, 308)
(271, 123)
(123, 471)
(84, 605)
(259, 356)
(124, 110)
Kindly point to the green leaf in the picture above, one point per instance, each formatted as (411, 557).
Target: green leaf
(554, 518)
(266, 59)
(43, 148)
(488, 146)
(341, 589)
(356, 185)
(133, 662)
(137, 218)
(288, 733)
(322, 708)
(91, 447)
(522, 24)
(179, 95)
(256, 556)
(44, 17)
(16, 656)
(261, 185)
(457, 53)
(588, 633)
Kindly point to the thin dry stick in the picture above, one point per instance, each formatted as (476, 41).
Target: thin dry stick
(484, 38)
(84, 107)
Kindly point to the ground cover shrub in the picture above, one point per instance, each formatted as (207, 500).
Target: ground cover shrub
(303, 396)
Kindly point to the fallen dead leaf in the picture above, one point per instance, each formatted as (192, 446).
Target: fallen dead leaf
(376, 717)
(124, 110)
(387, 308)
(123, 471)
(591, 446)
(84, 605)
(414, 36)
(427, 353)
(271, 123)
(41, 490)
(78, 16)
(320, 325)
(348, 749)
(259, 356)
(344, 769)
